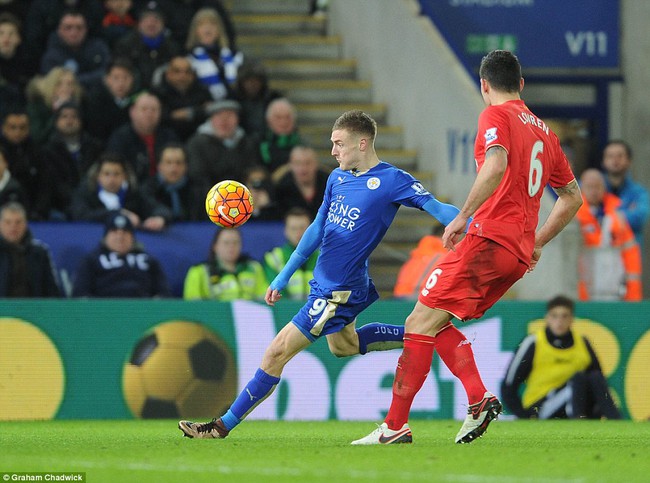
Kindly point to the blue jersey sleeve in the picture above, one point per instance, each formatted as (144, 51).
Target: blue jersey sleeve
(443, 212)
(410, 192)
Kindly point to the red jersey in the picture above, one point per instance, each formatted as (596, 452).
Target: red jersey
(510, 215)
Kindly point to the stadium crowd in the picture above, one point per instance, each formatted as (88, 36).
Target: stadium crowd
(138, 106)
(135, 108)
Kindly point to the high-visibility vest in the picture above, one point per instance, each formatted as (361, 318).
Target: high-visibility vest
(418, 267)
(610, 262)
(553, 367)
(298, 286)
(210, 282)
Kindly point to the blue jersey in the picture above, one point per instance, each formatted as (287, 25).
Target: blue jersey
(358, 209)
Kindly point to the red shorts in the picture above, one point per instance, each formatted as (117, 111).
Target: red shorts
(470, 280)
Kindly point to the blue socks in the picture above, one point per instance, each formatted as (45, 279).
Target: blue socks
(256, 391)
(380, 337)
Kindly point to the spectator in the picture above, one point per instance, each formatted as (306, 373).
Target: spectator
(120, 267)
(418, 267)
(149, 46)
(110, 187)
(265, 207)
(26, 163)
(180, 13)
(110, 96)
(45, 94)
(610, 261)
(18, 8)
(68, 155)
(11, 99)
(228, 274)
(26, 267)
(253, 93)
(71, 47)
(561, 371)
(280, 137)
(220, 148)
(141, 140)
(44, 16)
(10, 189)
(296, 221)
(635, 201)
(117, 21)
(15, 67)
(183, 98)
(172, 187)
(304, 184)
(212, 57)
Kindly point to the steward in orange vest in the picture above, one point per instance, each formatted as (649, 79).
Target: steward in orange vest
(610, 263)
(418, 267)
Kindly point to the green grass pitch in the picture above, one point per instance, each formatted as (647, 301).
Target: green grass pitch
(261, 451)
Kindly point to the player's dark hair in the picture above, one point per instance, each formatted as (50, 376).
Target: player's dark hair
(502, 70)
(560, 301)
(357, 122)
(620, 142)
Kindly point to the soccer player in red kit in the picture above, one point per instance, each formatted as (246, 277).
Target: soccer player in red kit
(516, 155)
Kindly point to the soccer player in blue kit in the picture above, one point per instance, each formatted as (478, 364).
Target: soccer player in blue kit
(361, 199)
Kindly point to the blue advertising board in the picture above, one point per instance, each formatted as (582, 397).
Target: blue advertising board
(177, 248)
(546, 35)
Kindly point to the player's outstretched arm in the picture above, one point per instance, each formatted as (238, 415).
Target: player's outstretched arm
(443, 212)
(309, 242)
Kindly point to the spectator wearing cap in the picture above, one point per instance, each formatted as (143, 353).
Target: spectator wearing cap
(220, 149)
(253, 93)
(111, 187)
(184, 99)
(150, 45)
(68, 155)
(141, 140)
(71, 47)
(112, 97)
(120, 267)
(45, 94)
(213, 58)
(26, 267)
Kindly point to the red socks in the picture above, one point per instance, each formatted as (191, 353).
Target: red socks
(415, 363)
(412, 368)
(456, 352)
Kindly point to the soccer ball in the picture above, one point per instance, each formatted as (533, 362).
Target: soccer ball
(177, 370)
(229, 204)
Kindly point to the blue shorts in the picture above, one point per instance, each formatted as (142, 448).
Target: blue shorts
(327, 312)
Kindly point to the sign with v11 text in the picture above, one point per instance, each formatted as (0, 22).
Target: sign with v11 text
(545, 34)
